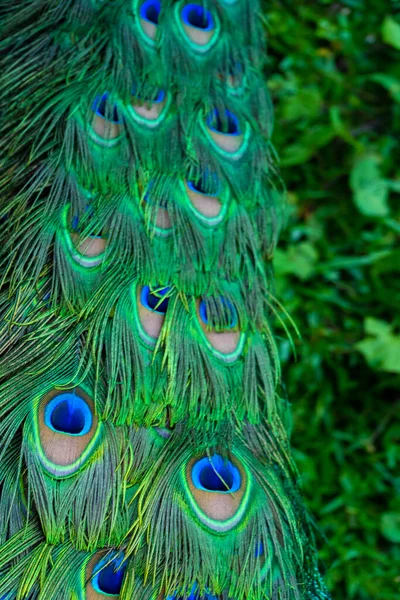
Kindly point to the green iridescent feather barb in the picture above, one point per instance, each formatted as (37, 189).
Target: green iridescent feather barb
(144, 452)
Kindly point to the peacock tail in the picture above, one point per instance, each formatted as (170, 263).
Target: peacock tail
(144, 452)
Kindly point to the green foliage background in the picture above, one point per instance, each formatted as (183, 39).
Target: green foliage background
(334, 74)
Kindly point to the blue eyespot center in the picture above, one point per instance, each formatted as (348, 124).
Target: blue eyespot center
(205, 184)
(203, 312)
(195, 15)
(160, 97)
(155, 300)
(68, 413)
(150, 11)
(226, 123)
(220, 313)
(154, 97)
(109, 575)
(197, 186)
(101, 106)
(216, 474)
(67, 418)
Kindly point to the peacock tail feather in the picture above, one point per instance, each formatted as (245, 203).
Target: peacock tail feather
(145, 450)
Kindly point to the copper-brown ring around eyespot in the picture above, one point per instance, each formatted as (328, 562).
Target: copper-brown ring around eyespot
(88, 252)
(149, 111)
(149, 29)
(149, 114)
(62, 449)
(228, 143)
(206, 205)
(90, 592)
(225, 342)
(218, 506)
(148, 14)
(202, 38)
(150, 321)
(162, 222)
(231, 146)
(105, 129)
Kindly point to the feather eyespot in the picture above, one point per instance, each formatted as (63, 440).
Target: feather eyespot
(219, 322)
(105, 575)
(225, 315)
(216, 475)
(156, 301)
(206, 184)
(88, 251)
(108, 576)
(149, 109)
(224, 129)
(67, 430)
(148, 15)
(234, 78)
(106, 122)
(152, 306)
(68, 413)
(204, 200)
(218, 490)
(198, 24)
(158, 213)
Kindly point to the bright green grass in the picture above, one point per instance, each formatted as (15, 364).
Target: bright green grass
(334, 73)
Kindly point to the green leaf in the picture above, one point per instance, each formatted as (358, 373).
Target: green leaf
(300, 260)
(341, 128)
(333, 505)
(305, 103)
(390, 527)
(376, 327)
(307, 145)
(391, 32)
(370, 189)
(391, 361)
(350, 262)
(381, 347)
(389, 82)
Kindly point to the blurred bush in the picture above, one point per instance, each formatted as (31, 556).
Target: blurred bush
(334, 74)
